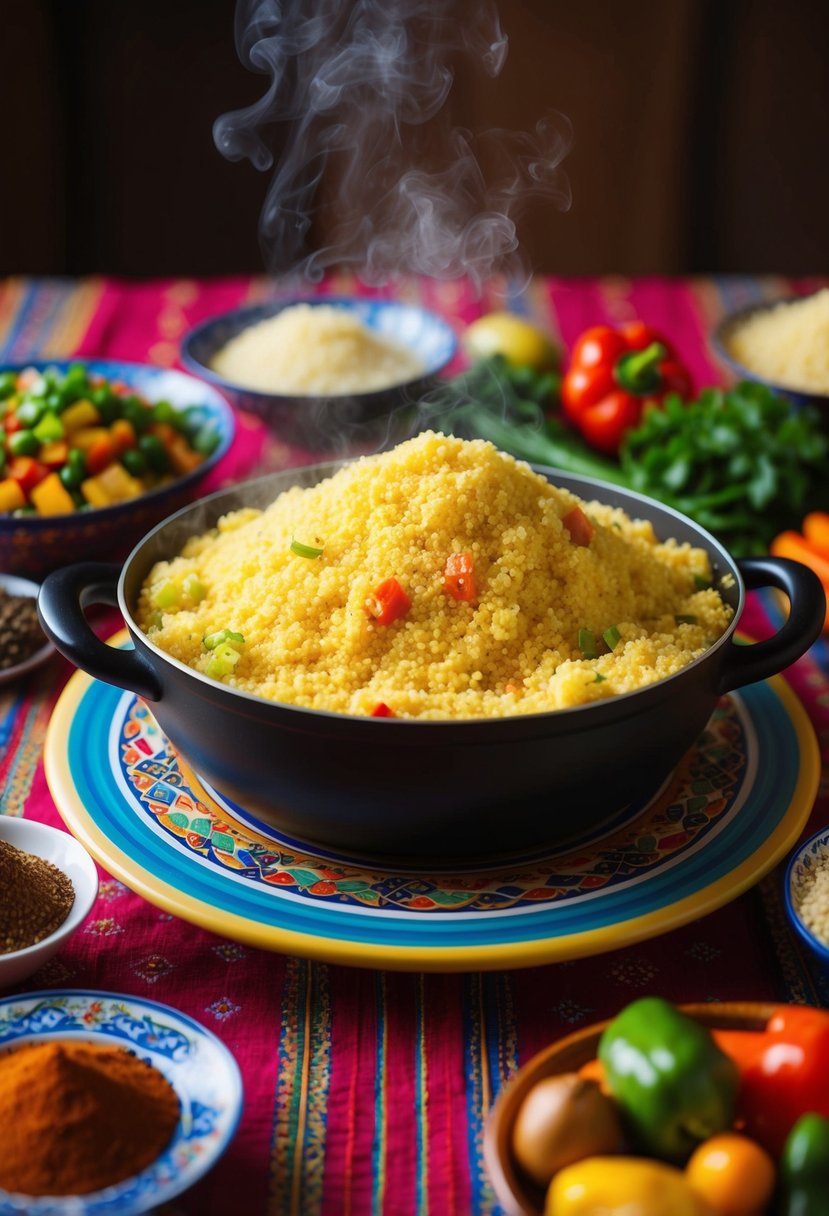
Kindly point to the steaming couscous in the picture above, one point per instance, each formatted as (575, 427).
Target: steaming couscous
(443, 579)
(314, 349)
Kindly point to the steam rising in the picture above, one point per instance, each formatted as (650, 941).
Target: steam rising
(357, 107)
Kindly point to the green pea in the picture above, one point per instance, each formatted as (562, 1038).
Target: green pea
(163, 411)
(30, 412)
(152, 449)
(136, 412)
(23, 443)
(134, 462)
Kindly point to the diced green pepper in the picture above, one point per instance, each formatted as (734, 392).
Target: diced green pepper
(167, 595)
(804, 1168)
(674, 1086)
(222, 661)
(612, 637)
(211, 641)
(49, 429)
(8, 384)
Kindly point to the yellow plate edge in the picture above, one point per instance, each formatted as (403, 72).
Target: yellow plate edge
(429, 958)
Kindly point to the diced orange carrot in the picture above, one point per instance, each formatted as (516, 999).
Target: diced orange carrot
(50, 497)
(182, 457)
(579, 526)
(54, 454)
(122, 434)
(816, 530)
(100, 454)
(792, 544)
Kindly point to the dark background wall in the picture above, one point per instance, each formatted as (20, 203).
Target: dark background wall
(701, 135)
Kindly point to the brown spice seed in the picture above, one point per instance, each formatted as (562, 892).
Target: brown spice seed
(35, 898)
(20, 632)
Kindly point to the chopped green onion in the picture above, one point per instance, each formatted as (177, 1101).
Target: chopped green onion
(155, 620)
(167, 595)
(222, 661)
(685, 618)
(587, 644)
(304, 550)
(211, 641)
(701, 582)
(194, 588)
(612, 637)
(600, 679)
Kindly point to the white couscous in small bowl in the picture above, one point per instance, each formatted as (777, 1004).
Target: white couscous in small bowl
(806, 891)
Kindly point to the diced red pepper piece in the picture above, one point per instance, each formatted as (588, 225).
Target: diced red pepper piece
(388, 602)
(579, 526)
(99, 455)
(12, 423)
(459, 577)
(27, 472)
(381, 710)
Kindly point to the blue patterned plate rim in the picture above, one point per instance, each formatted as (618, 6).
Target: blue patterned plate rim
(204, 881)
(197, 1064)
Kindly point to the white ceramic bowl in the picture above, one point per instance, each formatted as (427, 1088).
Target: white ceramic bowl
(63, 851)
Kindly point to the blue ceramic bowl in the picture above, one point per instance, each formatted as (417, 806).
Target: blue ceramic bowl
(720, 344)
(801, 866)
(32, 546)
(332, 423)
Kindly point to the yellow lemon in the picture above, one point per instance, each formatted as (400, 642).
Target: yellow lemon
(520, 342)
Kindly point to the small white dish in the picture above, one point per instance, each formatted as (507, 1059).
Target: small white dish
(63, 851)
(12, 585)
(199, 1067)
(799, 872)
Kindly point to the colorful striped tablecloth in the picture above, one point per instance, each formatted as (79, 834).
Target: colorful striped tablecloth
(366, 1092)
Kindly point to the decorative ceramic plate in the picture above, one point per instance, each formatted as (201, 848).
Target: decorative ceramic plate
(201, 1070)
(733, 809)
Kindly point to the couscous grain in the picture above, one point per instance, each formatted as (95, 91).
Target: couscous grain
(381, 614)
(812, 899)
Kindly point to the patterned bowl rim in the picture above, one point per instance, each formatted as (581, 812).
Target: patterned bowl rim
(813, 843)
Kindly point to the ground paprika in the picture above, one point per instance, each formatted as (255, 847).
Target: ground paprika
(79, 1116)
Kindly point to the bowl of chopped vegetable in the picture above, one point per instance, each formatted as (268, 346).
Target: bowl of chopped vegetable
(705, 1109)
(327, 373)
(94, 452)
(806, 893)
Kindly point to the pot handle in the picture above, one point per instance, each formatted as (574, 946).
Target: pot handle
(63, 596)
(807, 611)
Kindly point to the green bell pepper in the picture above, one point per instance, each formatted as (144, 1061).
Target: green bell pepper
(804, 1168)
(674, 1086)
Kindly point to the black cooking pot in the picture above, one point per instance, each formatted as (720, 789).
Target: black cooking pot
(427, 790)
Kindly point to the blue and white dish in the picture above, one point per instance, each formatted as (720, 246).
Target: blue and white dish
(798, 872)
(328, 422)
(199, 1067)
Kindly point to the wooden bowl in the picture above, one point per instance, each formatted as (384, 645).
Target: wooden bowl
(517, 1193)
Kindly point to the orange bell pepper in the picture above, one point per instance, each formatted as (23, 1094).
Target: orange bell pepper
(388, 602)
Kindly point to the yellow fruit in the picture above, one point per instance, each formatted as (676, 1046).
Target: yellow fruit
(520, 342)
(733, 1174)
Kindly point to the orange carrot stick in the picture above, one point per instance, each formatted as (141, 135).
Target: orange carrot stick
(816, 530)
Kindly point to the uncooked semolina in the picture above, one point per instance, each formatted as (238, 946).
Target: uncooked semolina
(539, 622)
(788, 344)
(312, 349)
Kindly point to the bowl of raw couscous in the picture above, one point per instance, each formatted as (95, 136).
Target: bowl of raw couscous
(783, 344)
(329, 373)
(401, 654)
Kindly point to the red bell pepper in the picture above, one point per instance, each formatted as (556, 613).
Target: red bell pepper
(459, 577)
(27, 472)
(388, 602)
(579, 526)
(612, 374)
(784, 1072)
(381, 710)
